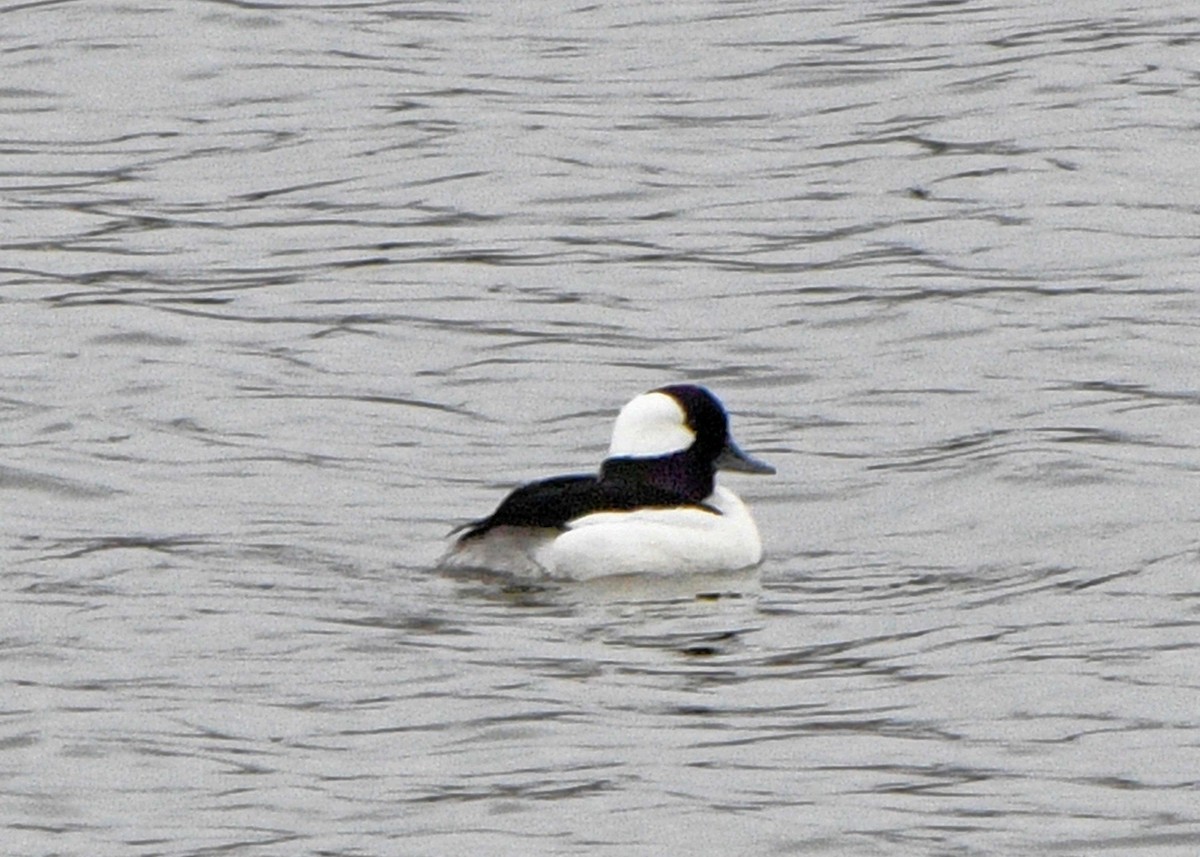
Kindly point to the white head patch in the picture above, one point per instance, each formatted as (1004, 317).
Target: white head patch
(653, 424)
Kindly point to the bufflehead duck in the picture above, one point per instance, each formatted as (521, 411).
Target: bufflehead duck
(654, 508)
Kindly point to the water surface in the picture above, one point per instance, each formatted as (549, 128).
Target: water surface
(289, 289)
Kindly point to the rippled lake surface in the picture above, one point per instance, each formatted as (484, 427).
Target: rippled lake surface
(289, 289)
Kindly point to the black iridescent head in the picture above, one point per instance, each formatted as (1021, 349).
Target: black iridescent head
(678, 437)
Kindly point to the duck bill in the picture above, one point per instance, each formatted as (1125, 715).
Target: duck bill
(732, 458)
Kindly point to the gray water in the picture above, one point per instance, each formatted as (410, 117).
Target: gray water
(289, 289)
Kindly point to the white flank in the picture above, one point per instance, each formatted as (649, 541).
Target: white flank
(656, 541)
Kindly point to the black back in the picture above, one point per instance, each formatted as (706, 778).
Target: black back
(551, 503)
(683, 478)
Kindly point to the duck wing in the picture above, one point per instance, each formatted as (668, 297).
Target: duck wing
(553, 503)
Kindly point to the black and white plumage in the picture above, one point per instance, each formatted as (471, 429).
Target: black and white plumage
(654, 507)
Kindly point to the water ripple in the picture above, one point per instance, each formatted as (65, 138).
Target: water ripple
(287, 289)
